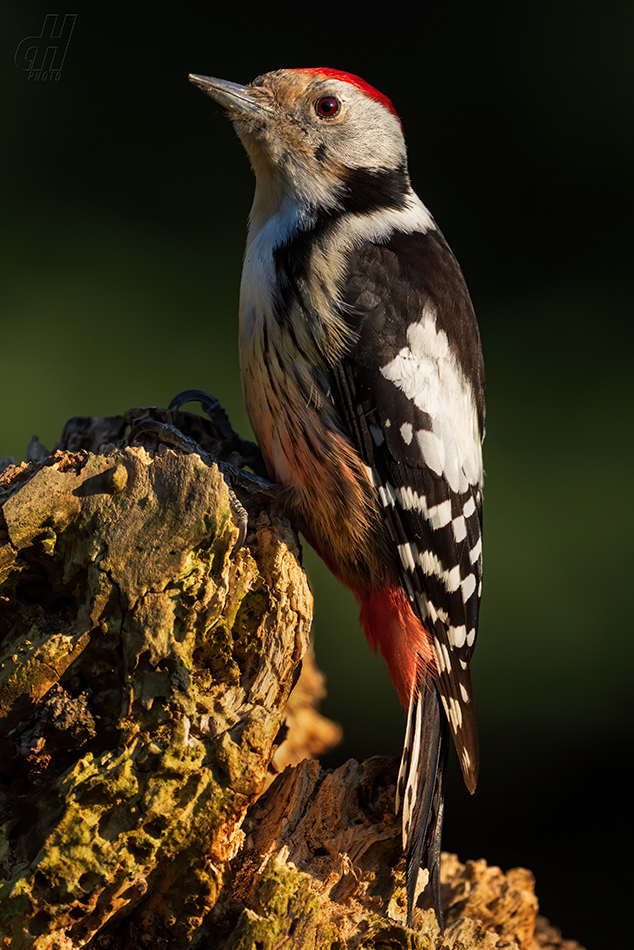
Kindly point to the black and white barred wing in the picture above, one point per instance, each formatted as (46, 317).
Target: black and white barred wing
(416, 404)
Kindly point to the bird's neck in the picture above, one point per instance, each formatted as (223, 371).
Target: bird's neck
(280, 215)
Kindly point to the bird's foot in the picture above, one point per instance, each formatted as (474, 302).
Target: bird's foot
(226, 434)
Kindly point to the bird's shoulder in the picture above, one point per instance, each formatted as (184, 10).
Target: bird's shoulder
(399, 289)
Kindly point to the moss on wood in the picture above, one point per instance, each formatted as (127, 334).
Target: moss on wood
(122, 594)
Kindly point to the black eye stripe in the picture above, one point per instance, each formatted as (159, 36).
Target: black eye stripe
(327, 107)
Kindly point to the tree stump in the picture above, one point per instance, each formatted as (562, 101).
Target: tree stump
(146, 665)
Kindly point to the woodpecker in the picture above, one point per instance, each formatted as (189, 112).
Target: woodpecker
(363, 377)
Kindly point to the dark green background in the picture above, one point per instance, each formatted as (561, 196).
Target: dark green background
(124, 196)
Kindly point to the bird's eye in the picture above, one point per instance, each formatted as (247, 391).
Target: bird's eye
(327, 107)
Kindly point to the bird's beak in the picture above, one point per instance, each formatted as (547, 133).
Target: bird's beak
(232, 96)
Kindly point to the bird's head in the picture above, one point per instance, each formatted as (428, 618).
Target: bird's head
(310, 132)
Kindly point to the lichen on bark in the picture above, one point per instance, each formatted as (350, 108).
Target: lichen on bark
(144, 672)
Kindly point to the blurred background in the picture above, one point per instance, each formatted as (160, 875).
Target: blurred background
(124, 195)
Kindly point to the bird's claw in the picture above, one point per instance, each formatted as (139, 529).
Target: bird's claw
(218, 417)
(212, 408)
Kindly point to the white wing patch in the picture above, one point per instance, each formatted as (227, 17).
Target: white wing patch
(459, 526)
(475, 551)
(427, 372)
(408, 554)
(407, 432)
(438, 515)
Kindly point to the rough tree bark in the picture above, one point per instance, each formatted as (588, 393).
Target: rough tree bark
(146, 665)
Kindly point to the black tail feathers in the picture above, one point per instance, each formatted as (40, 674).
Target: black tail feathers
(421, 791)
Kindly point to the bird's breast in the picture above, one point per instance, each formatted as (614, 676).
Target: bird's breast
(304, 445)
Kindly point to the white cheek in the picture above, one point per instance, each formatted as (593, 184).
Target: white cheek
(369, 135)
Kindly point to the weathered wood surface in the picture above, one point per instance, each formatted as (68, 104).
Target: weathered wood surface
(145, 673)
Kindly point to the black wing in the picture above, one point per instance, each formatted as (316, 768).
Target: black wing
(411, 393)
